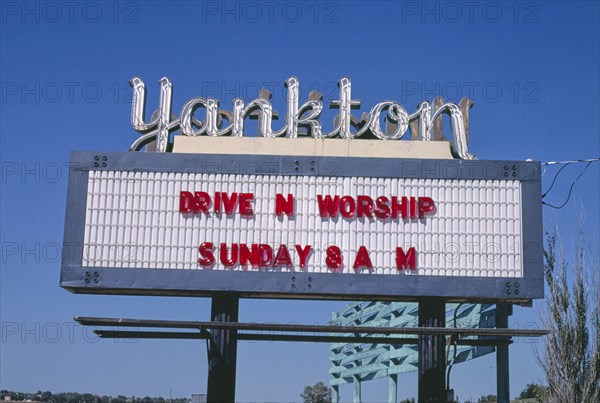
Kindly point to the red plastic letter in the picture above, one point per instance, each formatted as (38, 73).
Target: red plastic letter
(245, 207)
(265, 255)
(229, 262)
(202, 202)
(247, 256)
(365, 206)
(334, 257)
(303, 254)
(426, 206)
(228, 203)
(284, 206)
(282, 257)
(206, 252)
(383, 208)
(186, 202)
(362, 259)
(402, 207)
(406, 260)
(413, 207)
(347, 206)
(328, 206)
(217, 202)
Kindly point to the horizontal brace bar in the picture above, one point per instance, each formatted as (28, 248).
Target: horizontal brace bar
(326, 338)
(129, 334)
(89, 321)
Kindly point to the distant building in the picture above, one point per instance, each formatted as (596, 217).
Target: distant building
(198, 398)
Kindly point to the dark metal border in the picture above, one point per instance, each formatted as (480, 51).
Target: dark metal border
(171, 282)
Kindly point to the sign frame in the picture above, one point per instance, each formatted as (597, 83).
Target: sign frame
(303, 285)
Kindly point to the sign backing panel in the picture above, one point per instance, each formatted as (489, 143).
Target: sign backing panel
(125, 231)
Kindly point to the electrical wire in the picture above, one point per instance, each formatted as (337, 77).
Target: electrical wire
(570, 161)
(556, 176)
(589, 162)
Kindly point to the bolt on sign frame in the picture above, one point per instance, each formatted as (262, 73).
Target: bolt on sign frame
(126, 232)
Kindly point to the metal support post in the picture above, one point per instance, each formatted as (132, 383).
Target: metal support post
(335, 394)
(222, 352)
(432, 352)
(357, 398)
(393, 388)
(502, 370)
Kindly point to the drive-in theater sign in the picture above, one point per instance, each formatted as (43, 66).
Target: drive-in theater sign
(360, 212)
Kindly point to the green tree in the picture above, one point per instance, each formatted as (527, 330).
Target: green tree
(533, 391)
(46, 396)
(571, 353)
(318, 393)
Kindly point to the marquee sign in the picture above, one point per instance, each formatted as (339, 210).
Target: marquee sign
(294, 212)
(303, 227)
(307, 215)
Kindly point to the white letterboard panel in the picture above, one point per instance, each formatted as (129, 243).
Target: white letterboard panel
(132, 220)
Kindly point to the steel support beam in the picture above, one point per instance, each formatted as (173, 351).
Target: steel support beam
(270, 327)
(393, 388)
(502, 370)
(432, 352)
(136, 334)
(335, 394)
(357, 398)
(222, 352)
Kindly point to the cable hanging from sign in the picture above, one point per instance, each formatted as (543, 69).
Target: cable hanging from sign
(453, 342)
(566, 164)
(570, 161)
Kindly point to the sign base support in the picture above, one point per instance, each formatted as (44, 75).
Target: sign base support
(393, 388)
(502, 368)
(222, 351)
(432, 352)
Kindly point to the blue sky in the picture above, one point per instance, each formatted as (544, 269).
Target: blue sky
(531, 68)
